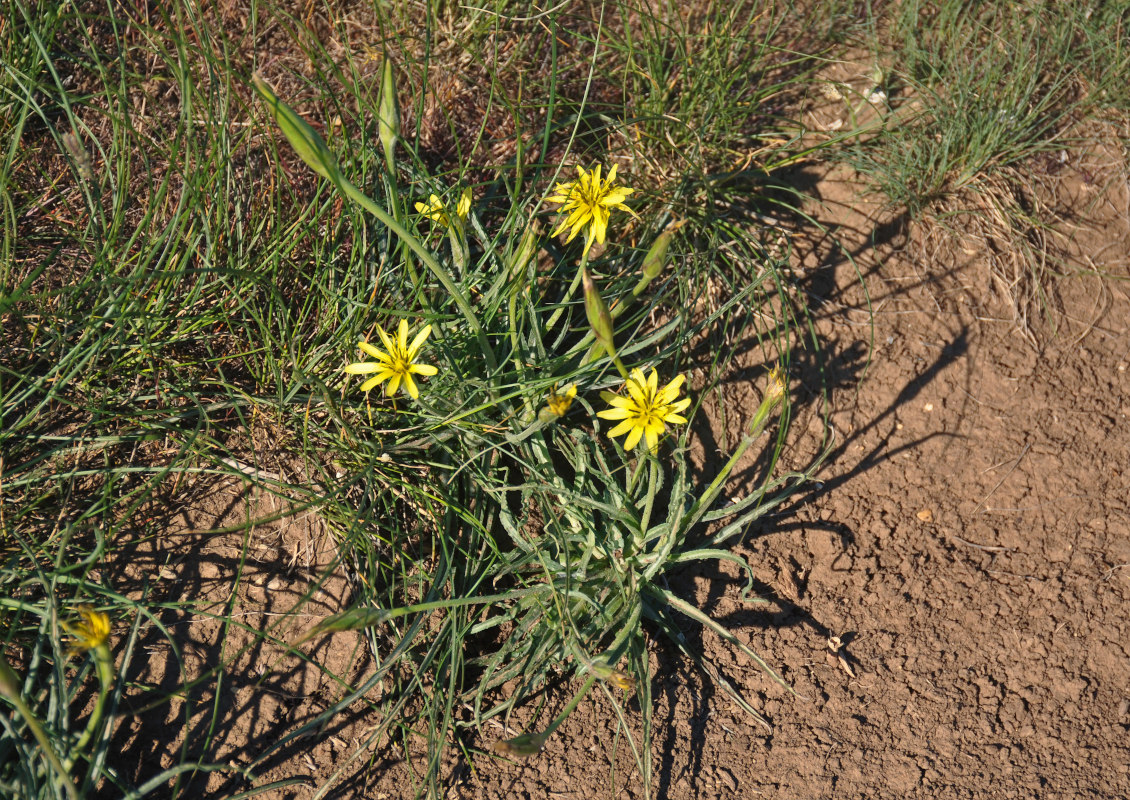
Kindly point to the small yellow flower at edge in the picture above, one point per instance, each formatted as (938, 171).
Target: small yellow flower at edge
(587, 202)
(396, 364)
(90, 632)
(559, 400)
(647, 409)
(776, 388)
(436, 211)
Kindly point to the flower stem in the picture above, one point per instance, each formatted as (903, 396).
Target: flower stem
(577, 698)
(104, 662)
(649, 503)
(569, 294)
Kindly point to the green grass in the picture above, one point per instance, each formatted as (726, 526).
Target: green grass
(978, 98)
(178, 286)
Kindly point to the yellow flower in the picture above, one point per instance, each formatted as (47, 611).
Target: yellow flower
(646, 409)
(396, 364)
(587, 202)
(776, 388)
(559, 401)
(622, 680)
(90, 632)
(436, 211)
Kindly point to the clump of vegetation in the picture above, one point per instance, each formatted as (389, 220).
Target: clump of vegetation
(551, 539)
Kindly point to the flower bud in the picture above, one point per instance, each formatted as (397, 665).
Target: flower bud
(388, 114)
(517, 260)
(656, 256)
(524, 746)
(9, 681)
(600, 320)
(306, 141)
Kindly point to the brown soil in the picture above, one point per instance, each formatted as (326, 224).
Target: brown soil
(950, 601)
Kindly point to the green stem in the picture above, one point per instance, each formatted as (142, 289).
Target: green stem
(577, 698)
(620, 367)
(631, 485)
(104, 661)
(649, 503)
(569, 294)
(707, 497)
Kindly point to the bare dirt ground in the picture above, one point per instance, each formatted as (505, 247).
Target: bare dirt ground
(967, 552)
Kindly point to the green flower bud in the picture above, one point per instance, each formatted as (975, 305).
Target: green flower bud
(306, 141)
(656, 257)
(388, 115)
(527, 248)
(524, 746)
(9, 681)
(600, 320)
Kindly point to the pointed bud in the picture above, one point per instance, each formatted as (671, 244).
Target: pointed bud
(388, 114)
(618, 678)
(600, 320)
(524, 746)
(656, 257)
(775, 392)
(9, 681)
(527, 248)
(306, 141)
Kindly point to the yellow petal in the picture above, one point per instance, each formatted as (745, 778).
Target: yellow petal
(402, 337)
(622, 428)
(636, 384)
(376, 380)
(370, 350)
(617, 197)
(679, 407)
(671, 390)
(410, 385)
(362, 368)
(613, 413)
(418, 342)
(599, 223)
(387, 342)
(423, 369)
(633, 438)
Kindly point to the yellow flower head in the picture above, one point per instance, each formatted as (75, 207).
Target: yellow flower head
(587, 202)
(646, 409)
(559, 401)
(776, 388)
(90, 632)
(622, 680)
(436, 211)
(396, 364)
